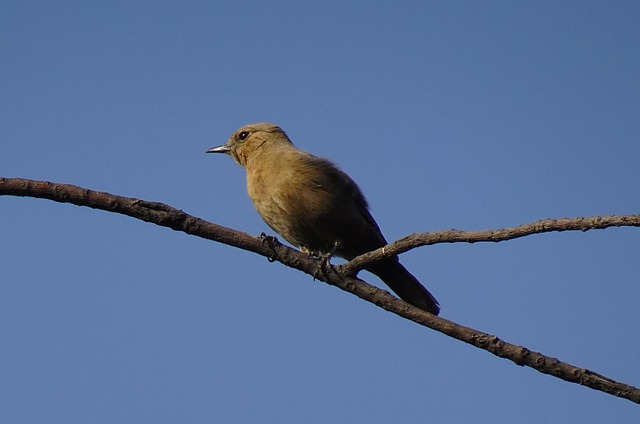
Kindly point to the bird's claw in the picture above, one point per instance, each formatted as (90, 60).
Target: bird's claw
(322, 266)
(325, 260)
(270, 241)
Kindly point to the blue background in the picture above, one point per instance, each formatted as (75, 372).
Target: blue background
(467, 115)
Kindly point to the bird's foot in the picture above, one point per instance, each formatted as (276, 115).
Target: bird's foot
(325, 260)
(271, 242)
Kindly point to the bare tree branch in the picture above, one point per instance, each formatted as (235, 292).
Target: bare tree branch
(458, 236)
(342, 276)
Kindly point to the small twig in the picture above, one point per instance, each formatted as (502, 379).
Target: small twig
(459, 236)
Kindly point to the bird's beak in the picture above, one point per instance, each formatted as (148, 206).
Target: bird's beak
(220, 149)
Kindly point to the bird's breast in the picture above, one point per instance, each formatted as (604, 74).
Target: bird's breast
(294, 205)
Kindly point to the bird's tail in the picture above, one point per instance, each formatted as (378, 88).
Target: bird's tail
(404, 284)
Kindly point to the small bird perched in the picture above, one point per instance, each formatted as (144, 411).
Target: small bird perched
(315, 206)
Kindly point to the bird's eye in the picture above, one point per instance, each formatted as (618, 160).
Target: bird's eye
(243, 135)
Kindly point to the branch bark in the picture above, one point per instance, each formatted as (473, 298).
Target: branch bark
(343, 276)
(458, 236)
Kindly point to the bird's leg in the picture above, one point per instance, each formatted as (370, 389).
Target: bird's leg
(312, 254)
(325, 260)
(270, 241)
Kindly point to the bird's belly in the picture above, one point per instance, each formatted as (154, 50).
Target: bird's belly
(298, 221)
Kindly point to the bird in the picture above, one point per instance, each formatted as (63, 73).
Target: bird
(315, 206)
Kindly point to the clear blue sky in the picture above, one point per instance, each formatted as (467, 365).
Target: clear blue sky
(468, 115)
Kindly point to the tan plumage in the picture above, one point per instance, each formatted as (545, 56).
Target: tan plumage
(314, 205)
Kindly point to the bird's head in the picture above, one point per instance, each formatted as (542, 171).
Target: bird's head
(251, 140)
